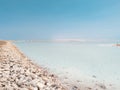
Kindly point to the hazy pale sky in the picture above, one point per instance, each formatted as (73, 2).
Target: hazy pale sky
(56, 19)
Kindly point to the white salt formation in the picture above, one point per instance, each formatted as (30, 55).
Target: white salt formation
(17, 72)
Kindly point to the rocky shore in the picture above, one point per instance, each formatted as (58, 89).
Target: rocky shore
(17, 72)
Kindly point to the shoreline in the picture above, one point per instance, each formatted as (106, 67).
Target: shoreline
(118, 45)
(20, 73)
(64, 82)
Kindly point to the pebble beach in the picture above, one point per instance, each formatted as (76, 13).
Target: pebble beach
(17, 72)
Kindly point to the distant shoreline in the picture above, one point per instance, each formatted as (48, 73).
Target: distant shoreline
(68, 40)
(118, 45)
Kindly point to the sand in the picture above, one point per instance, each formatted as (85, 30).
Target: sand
(3, 43)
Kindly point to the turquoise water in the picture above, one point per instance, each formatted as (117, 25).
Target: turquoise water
(79, 59)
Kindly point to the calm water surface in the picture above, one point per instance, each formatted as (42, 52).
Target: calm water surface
(101, 60)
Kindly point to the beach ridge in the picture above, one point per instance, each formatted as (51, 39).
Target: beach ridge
(17, 72)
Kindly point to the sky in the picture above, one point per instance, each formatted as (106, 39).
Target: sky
(59, 19)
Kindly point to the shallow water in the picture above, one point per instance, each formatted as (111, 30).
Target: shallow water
(78, 59)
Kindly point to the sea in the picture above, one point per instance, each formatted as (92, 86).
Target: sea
(79, 61)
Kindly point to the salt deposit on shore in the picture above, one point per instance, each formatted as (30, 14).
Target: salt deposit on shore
(17, 72)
